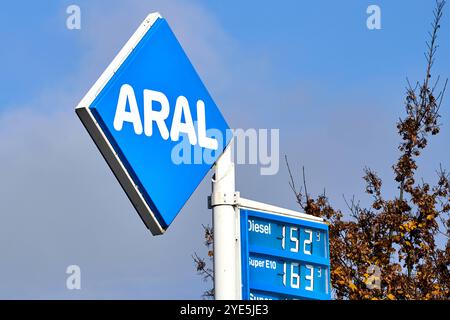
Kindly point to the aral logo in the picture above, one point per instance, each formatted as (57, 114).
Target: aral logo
(149, 101)
(181, 110)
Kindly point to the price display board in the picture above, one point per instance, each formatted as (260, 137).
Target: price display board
(284, 257)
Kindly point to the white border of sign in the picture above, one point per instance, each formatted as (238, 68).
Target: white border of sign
(260, 206)
(99, 137)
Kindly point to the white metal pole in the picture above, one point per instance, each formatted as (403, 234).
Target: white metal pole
(224, 226)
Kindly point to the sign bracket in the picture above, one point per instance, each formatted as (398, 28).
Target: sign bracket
(223, 198)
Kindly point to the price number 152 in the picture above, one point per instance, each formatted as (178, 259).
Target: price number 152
(293, 235)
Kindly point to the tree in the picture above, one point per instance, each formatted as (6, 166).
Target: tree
(201, 264)
(391, 249)
(396, 238)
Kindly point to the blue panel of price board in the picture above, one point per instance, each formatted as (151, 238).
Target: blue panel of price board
(284, 257)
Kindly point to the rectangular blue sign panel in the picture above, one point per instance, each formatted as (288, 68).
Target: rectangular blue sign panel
(283, 257)
(148, 117)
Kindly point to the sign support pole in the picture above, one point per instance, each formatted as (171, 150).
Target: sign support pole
(223, 201)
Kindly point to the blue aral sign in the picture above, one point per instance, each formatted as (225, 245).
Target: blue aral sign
(283, 257)
(147, 103)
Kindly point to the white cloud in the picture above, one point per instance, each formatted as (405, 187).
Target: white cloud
(61, 205)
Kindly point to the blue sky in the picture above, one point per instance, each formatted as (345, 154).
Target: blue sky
(310, 68)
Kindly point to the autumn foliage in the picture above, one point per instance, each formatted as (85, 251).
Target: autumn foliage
(399, 248)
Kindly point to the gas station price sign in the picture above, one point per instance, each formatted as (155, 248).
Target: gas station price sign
(284, 257)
